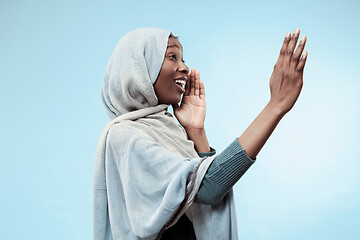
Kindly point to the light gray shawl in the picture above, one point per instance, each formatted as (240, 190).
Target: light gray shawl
(147, 172)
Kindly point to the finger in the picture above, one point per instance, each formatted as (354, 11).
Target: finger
(192, 82)
(296, 57)
(187, 86)
(283, 49)
(202, 90)
(291, 46)
(197, 83)
(301, 65)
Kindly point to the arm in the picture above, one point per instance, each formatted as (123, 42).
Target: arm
(233, 162)
(285, 86)
(225, 170)
(198, 136)
(255, 136)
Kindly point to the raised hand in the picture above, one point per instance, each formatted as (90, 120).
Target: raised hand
(192, 110)
(286, 80)
(285, 85)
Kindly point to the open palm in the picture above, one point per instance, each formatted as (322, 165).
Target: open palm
(192, 110)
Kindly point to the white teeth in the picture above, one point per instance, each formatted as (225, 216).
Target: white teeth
(181, 82)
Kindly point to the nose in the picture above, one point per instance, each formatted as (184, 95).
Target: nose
(183, 68)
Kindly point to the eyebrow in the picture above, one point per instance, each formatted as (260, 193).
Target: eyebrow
(169, 46)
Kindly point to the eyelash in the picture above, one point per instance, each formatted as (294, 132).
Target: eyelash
(173, 55)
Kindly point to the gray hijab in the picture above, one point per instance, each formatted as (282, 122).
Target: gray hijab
(147, 172)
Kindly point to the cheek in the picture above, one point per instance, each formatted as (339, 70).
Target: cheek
(168, 68)
(167, 80)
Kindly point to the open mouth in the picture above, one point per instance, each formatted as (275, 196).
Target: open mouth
(181, 83)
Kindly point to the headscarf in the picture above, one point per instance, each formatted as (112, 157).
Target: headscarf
(132, 70)
(147, 172)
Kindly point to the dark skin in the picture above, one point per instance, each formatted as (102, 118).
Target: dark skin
(285, 86)
(173, 67)
(192, 109)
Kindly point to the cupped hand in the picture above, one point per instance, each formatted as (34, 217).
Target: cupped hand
(286, 80)
(192, 110)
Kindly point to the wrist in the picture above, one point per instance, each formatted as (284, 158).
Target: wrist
(195, 131)
(275, 109)
(198, 136)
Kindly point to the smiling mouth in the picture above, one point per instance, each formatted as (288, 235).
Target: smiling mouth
(180, 82)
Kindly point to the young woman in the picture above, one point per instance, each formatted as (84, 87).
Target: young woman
(155, 179)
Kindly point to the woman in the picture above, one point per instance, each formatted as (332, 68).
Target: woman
(155, 179)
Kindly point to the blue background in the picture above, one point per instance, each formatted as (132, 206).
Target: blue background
(305, 182)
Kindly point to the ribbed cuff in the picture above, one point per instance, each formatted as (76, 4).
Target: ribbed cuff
(229, 165)
(207, 154)
(225, 170)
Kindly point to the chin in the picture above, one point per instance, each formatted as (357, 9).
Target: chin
(175, 100)
(178, 100)
(171, 99)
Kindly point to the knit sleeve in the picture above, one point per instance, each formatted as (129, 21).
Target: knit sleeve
(225, 170)
(207, 154)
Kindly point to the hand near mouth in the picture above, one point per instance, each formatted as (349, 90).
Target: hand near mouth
(192, 110)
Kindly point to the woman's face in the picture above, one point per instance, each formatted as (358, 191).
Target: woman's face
(173, 74)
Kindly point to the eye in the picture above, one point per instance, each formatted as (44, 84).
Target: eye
(172, 56)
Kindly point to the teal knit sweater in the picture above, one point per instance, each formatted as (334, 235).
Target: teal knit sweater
(225, 170)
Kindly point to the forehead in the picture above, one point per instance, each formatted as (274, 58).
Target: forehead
(174, 43)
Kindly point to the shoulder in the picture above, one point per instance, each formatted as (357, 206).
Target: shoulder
(129, 140)
(128, 133)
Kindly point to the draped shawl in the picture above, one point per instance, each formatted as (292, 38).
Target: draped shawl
(147, 172)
